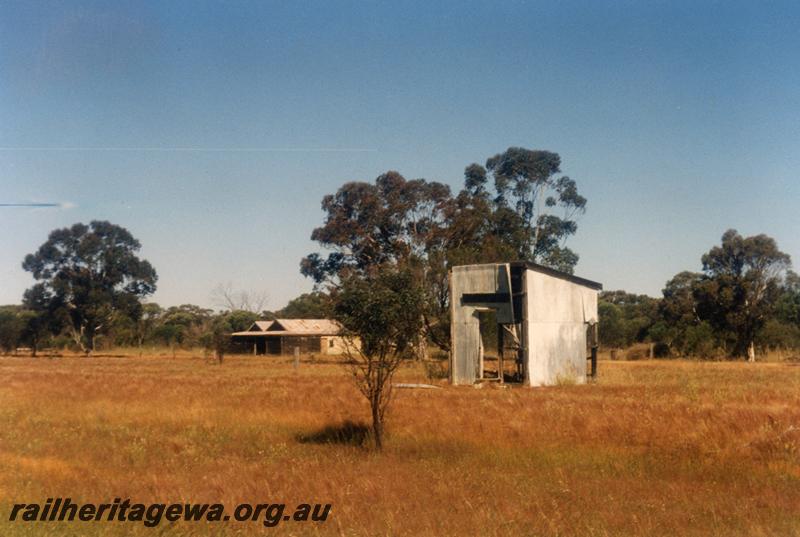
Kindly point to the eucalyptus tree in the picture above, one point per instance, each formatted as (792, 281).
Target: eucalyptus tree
(40, 321)
(88, 276)
(741, 285)
(530, 183)
(392, 222)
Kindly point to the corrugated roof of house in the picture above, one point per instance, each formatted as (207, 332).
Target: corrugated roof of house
(293, 327)
(307, 326)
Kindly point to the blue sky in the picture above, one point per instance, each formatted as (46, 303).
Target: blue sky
(212, 130)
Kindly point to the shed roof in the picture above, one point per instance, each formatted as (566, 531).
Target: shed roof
(558, 274)
(538, 268)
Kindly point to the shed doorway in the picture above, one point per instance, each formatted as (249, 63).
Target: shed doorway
(499, 349)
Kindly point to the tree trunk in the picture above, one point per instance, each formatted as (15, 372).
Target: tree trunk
(421, 348)
(77, 337)
(89, 349)
(377, 425)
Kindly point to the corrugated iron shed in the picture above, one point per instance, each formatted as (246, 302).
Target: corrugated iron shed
(545, 323)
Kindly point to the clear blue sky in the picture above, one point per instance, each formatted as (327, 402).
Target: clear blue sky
(678, 120)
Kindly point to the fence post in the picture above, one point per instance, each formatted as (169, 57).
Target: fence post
(595, 345)
(296, 358)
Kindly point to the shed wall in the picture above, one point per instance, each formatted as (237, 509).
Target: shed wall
(558, 311)
(465, 326)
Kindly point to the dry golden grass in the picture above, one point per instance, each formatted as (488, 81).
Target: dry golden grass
(650, 449)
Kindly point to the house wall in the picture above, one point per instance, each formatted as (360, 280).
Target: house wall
(334, 345)
(285, 345)
(273, 345)
(249, 345)
(557, 313)
(306, 344)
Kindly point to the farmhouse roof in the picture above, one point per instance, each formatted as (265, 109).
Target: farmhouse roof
(310, 326)
(293, 327)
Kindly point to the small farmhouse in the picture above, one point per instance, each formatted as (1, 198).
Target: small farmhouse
(540, 324)
(282, 336)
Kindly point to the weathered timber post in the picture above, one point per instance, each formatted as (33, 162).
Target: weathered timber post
(595, 345)
(500, 345)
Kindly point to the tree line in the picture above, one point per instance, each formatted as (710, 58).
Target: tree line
(91, 286)
(186, 326)
(91, 290)
(746, 299)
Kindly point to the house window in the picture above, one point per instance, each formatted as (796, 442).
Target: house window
(330, 343)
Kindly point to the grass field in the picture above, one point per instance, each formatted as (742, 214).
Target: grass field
(652, 448)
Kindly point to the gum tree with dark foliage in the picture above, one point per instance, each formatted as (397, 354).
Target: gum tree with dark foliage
(740, 288)
(788, 306)
(546, 204)
(625, 318)
(314, 305)
(39, 319)
(90, 275)
(680, 327)
(11, 327)
(391, 222)
(420, 226)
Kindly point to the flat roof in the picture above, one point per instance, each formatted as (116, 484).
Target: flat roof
(558, 274)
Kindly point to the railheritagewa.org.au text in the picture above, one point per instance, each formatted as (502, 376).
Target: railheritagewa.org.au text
(152, 514)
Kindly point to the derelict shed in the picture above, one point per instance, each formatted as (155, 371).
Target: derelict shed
(282, 336)
(544, 323)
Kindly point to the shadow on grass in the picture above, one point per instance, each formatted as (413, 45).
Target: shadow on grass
(348, 433)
